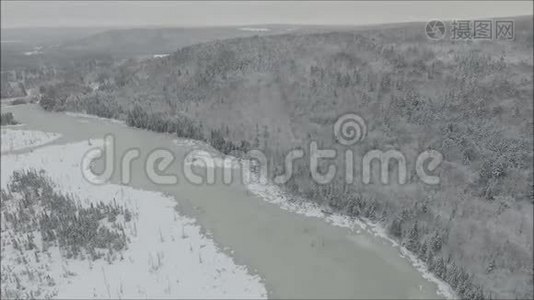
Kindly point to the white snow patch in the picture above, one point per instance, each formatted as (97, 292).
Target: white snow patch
(204, 155)
(159, 55)
(35, 51)
(257, 29)
(13, 140)
(13, 125)
(168, 256)
(93, 117)
(189, 143)
(30, 53)
(203, 158)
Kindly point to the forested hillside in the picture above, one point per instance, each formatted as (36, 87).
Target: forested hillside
(470, 100)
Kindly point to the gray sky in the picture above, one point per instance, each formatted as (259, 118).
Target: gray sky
(185, 13)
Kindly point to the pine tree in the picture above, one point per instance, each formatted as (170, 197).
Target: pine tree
(423, 250)
(395, 229)
(435, 242)
(413, 239)
(439, 268)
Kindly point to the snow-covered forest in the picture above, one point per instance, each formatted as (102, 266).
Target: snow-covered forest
(470, 100)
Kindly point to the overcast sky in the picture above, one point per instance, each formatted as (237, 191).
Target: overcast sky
(185, 13)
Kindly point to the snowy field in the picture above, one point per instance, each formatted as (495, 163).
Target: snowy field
(167, 257)
(13, 140)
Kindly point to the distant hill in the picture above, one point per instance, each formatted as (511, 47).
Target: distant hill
(143, 41)
(46, 36)
(35, 47)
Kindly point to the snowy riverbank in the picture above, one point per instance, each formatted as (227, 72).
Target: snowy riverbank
(167, 257)
(274, 195)
(83, 118)
(202, 152)
(13, 140)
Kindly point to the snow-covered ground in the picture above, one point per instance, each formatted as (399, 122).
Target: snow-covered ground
(202, 154)
(167, 257)
(13, 140)
(160, 55)
(256, 29)
(191, 144)
(83, 118)
(35, 51)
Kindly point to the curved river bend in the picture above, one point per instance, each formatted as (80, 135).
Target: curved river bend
(297, 256)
